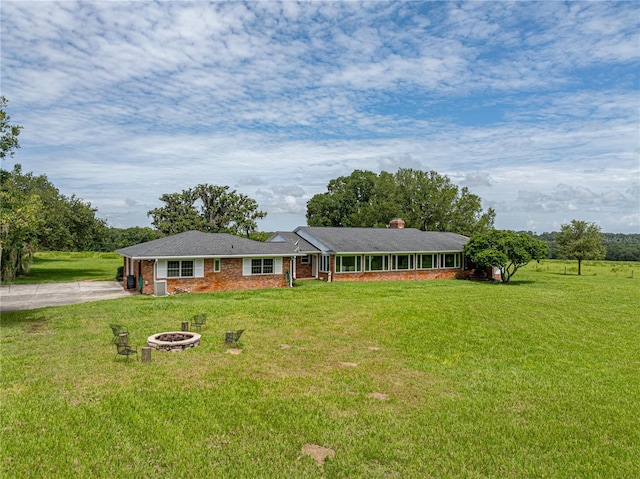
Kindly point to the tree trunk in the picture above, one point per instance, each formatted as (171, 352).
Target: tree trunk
(579, 266)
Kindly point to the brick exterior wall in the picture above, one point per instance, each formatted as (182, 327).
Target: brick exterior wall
(303, 270)
(411, 275)
(147, 276)
(229, 278)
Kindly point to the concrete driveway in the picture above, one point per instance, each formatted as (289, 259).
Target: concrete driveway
(31, 296)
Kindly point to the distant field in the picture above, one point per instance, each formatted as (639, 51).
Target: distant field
(539, 378)
(59, 267)
(612, 269)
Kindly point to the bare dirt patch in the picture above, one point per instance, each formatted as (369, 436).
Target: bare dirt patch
(349, 365)
(374, 348)
(378, 396)
(285, 346)
(318, 453)
(234, 351)
(38, 328)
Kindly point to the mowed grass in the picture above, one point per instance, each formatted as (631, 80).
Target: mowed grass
(58, 267)
(539, 378)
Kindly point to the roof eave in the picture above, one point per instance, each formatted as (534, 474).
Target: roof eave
(213, 256)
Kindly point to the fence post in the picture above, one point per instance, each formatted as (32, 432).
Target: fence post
(146, 354)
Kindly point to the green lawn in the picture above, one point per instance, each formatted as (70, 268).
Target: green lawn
(57, 267)
(539, 378)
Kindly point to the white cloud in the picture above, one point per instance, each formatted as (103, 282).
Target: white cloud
(136, 99)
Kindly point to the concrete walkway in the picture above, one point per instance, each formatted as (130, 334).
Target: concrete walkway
(31, 296)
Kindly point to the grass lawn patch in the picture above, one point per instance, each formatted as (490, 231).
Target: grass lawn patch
(538, 378)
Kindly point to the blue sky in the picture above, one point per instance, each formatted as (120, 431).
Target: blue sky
(535, 106)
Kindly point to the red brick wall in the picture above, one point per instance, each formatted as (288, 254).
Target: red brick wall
(147, 276)
(303, 270)
(229, 278)
(397, 275)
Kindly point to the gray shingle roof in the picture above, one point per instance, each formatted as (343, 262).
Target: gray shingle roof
(381, 240)
(198, 244)
(304, 240)
(302, 245)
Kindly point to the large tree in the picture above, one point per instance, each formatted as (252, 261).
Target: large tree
(425, 200)
(349, 201)
(21, 220)
(506, 250)
(18, 212)
(66, 223)
(207, 208)
(581, 240)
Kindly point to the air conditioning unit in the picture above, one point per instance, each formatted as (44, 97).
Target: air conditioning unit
(160, 288)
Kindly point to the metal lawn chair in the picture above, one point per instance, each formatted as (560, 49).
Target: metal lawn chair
(232, 337)
(117, 329)
(199, 321)
(126, 350)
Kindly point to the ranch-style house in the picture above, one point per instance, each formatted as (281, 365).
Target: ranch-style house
(196, 262)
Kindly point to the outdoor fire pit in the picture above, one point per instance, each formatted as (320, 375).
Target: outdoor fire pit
(174, 341)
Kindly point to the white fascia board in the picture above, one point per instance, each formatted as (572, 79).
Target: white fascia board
(283, 255)
(169, 258)
(379, 253)
(263, 255)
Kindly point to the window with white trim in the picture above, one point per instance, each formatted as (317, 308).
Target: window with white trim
(258, 266)
(450, 260)
(306, 259)
(402, 261)
(216, 265)
(427, 261)
(376, 263)
(262, 266)
(325, 263)
(348, 264)
(180, 269)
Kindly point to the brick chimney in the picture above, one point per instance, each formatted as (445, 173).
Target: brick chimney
(397, 223)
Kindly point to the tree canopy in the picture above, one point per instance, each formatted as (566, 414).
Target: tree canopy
(506, 250)
(116, 238)
(209, 208)
(21, 218)
(581, 240)
(424, 200)
(19, 213)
